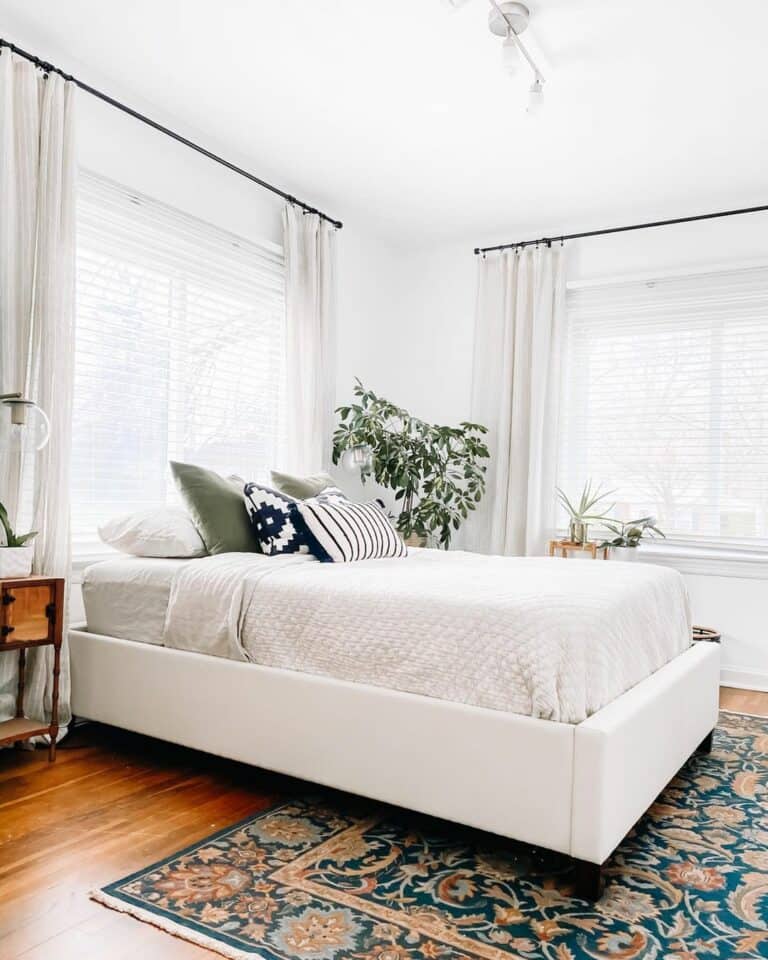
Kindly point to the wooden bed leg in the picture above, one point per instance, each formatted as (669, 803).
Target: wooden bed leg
(706, 744)
(589, 880)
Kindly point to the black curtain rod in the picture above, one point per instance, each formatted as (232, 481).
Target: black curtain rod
(635, 226)
(49, 68)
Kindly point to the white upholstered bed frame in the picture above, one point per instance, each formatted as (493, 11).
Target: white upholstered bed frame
(574, 788)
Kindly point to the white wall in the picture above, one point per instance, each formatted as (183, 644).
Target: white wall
(418, 343)
(425, 364)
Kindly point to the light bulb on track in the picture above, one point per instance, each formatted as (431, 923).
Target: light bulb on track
(536, 96)
(510, 55)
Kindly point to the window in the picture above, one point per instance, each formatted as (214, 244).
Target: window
(666, 399)
(179, 354)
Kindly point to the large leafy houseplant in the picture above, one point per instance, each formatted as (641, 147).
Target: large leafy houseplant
(437, 473)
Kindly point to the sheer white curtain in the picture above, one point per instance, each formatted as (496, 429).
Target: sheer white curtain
(310, 339)
(37, 257)
(519, 329)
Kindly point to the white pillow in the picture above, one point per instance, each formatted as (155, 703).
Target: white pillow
(159, 532)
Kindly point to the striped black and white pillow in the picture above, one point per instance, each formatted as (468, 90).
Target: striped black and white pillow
(345, 531)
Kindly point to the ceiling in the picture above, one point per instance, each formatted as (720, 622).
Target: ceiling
(399, 114)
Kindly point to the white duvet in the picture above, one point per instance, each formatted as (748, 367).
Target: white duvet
(542, 637)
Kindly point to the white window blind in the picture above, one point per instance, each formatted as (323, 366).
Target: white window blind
(666, 399)
(179, 353)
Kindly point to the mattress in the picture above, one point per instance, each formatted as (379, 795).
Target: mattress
(128, 597)
(539, 637)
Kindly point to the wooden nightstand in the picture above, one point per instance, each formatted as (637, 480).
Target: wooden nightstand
(31, 615)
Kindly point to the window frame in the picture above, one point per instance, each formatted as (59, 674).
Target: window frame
(266, 256)
(700, 556)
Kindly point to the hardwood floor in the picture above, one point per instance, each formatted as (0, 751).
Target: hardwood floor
(114, 802)
(110, 804)
(744, 701)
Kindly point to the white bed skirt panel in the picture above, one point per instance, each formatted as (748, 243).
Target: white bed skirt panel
(533, 780)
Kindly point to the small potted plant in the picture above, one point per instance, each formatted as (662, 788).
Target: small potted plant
(15, 555)
(627, 536)
(585, 511)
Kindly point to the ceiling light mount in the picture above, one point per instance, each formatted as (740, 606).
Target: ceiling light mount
(508, 16)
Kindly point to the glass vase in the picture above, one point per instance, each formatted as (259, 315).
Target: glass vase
(578, 531)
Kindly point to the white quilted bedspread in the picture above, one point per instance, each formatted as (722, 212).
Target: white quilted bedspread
(549, 638)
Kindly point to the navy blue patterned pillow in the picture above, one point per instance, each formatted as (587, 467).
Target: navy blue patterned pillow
(277, 522)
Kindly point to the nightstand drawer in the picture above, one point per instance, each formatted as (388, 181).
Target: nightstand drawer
(24, 612)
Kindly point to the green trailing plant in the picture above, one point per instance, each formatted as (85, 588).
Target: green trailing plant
(587, 509)
(437, 473)
(630, 534)
(11, 538)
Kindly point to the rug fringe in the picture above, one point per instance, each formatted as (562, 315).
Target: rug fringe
(175, 929)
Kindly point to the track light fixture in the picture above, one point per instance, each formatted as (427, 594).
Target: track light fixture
(509, 20)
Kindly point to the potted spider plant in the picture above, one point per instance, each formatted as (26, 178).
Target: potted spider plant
(585, 511)
(627, 536)
(15, 554)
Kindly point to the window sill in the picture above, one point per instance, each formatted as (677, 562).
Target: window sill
(710, 562)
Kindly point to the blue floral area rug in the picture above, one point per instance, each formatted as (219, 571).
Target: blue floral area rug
(326, 878)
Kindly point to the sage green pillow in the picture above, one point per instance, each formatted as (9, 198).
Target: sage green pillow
(302, 488)
(217, 508)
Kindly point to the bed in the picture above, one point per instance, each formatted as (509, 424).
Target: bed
(542, 700)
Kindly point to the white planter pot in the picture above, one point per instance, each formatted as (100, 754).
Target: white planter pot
(15, 562)
(624, 553)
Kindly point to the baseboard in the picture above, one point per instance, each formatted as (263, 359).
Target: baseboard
(743, 678)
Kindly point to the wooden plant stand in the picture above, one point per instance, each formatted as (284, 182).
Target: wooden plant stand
(566, 546)
(31, 615)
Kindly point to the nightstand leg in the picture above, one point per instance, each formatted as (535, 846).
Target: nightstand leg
(54, 729)
(20, 685)
(20, 688)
